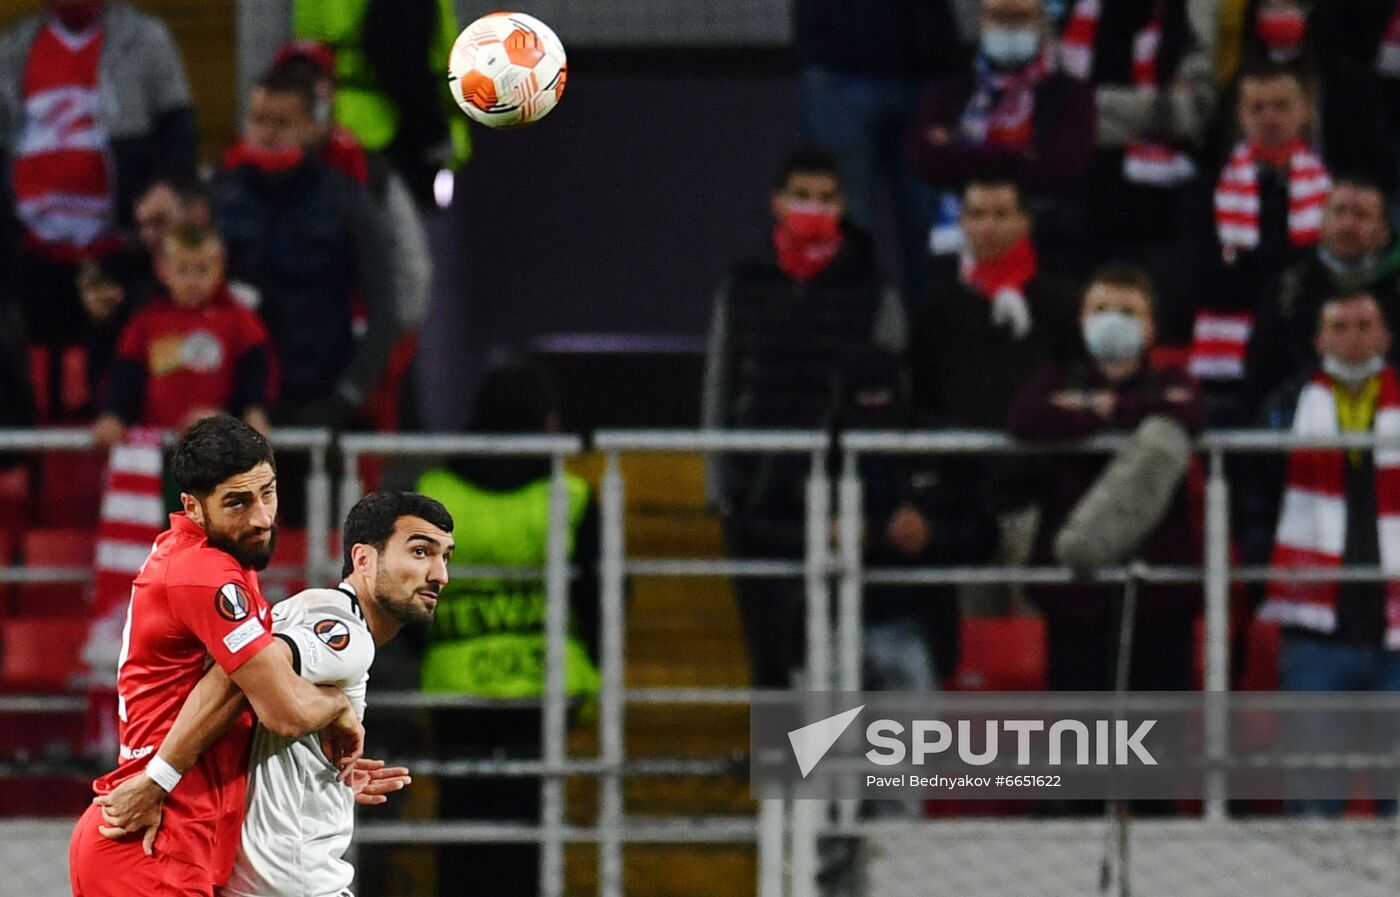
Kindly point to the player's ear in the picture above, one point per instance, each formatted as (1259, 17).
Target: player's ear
(363, 558)
(193, 509)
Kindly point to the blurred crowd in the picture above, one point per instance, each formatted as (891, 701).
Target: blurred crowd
(1063, 218)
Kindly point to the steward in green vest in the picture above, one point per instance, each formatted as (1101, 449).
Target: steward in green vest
(391, 79)
(488, 634)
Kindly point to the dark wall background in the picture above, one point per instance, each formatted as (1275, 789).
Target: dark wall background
(617, 214)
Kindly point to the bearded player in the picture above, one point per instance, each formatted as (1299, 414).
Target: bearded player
(196, 598)
(300, 816)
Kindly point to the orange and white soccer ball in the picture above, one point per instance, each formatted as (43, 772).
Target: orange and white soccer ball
(507, 69)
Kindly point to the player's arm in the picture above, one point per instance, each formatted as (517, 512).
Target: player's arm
(290, 706)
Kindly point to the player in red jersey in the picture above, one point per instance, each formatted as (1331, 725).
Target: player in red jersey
(196, 598)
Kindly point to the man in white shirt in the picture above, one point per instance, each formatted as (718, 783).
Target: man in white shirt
(300, 813)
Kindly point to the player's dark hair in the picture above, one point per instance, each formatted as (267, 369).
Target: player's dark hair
(214, 449)
(281, 81)
(373, 518)
(806, 160)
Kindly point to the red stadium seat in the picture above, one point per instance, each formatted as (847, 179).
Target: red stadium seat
(41, 653)
(55, 547)
(1002, 654)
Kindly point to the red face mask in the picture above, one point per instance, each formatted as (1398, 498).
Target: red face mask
(268, 161)
(1281, 29)
(807, 238)
(77, 16)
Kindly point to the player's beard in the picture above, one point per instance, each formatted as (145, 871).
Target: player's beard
(252, 556)
(409, 610)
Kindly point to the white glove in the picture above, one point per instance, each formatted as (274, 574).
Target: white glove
(1009, 309)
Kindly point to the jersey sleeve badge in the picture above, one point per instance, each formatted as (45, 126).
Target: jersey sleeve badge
(334, 633)
(232, 602)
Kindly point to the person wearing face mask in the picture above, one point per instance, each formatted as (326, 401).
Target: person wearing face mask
(1012, 114)
(94, 106)
(784, 331)
(1113, 390)
(1337, 509)
(1357, 251)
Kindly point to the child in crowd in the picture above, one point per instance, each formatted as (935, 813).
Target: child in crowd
(190, 352)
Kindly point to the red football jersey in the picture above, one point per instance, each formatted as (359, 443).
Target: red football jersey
(190, 602)
(189, 355)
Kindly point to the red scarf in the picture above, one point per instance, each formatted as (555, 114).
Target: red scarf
(1312, 521)
(1237, 198)
(1388, 56)
(273, 162)
(1144, 162)
(1013, 270)
(1000, 111)
(807, 237)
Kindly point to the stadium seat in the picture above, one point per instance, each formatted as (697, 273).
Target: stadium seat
(55, 547)
(41, 653)
(1002, 654)
(286, 574)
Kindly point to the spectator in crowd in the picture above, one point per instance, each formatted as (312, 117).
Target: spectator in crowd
(1335, 508)
(408, 252)
(992, 316)
(917, 512)
(190, 353)
(389, 56)
(1365, 35)
(1013, 114)
(488, 636)
(1269, 201)
(783, 335)
(1113, 391)
(94, 106)
(864, 70)
(309, 240)
(1357, 252)
(115, 288)
(1151, 66)
(1352, 129)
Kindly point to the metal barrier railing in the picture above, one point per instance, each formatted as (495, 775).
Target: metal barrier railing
(832, 659)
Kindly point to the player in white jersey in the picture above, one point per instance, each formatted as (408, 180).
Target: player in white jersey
(300, 813)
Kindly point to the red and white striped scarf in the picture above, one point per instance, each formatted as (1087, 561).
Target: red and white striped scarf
(1002, 106)
(132, 516)
(1312, 523)
(1388, 56)
(1218, 343)
(62, 170)
(1144, 162)
(1237, 198)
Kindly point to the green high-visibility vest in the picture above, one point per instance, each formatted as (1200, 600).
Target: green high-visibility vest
(360, 106)
(487, 636)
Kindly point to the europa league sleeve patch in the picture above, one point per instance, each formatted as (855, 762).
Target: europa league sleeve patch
(334, 633)
(232, 602)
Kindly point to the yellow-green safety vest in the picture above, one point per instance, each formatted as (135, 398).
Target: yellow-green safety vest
(487, 636)
(360, 105)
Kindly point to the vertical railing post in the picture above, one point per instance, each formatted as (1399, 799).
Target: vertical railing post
(320, 565)
(850, 604)
(611, 706)
(1217, 659)
(556, 626)
(807, 814)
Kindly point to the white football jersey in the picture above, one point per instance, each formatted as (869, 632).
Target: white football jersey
(299, 818)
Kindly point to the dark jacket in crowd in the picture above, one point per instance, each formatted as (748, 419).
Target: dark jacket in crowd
(1281, 346)
(1066, 479)
(1062, 137)
(309, 242)
(895, 38)
(966, 371)
(1250, 279)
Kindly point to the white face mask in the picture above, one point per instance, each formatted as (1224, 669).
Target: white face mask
(1010, 46)
(1352, 373)
(1113, 336)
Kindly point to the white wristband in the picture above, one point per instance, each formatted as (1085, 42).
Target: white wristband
(163, 774)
